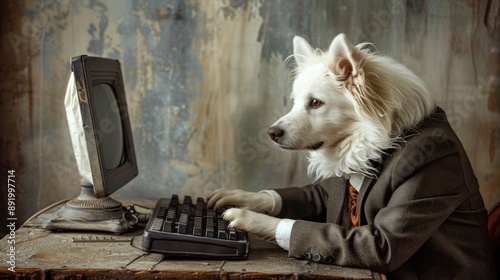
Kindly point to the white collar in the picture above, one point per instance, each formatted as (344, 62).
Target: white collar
(355, 179)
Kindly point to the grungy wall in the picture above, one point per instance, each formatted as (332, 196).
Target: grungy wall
(206, 78)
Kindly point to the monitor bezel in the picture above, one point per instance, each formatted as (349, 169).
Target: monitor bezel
(90, 71)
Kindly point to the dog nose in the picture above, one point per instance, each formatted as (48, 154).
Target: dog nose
(275, 133)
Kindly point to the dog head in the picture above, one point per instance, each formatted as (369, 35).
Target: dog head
(349, 105)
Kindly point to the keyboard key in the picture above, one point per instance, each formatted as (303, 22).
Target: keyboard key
(241, 235)
(161, 212)
(199, 212)
(174, 201)
(210, 231)
(169, 224)
(222, 229)
(187, 200)
(157, 224)
(201, 206)
(198, 226)
(171, 213)
(183, 225)
(219, 213)
(210, 223)
(210, 217)
(232, 234)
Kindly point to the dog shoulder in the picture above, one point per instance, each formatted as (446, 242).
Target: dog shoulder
(431, 140)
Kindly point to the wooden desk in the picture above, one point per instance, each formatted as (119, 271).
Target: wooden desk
(42, 254)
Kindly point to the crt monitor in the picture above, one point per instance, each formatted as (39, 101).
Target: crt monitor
(102, 139)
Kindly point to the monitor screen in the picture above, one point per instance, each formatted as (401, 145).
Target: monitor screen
(109, 126)
(106, 123)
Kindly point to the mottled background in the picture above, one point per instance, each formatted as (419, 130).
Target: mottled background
(206, 78)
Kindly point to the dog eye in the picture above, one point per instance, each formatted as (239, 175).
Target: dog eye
(315, 103)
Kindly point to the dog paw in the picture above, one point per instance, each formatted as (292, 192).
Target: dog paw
(252, 222)
(237, 217)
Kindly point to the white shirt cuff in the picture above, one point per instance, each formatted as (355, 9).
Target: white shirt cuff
(283, 233)
(277, 203)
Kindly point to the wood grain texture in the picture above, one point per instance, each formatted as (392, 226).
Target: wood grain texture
(41, 254)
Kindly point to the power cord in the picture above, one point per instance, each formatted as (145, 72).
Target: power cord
(140, 213)
(45, 209)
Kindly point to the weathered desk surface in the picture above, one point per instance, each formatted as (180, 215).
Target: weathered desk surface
(42, 254)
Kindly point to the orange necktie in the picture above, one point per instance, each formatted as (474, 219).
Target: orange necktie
(353, 195)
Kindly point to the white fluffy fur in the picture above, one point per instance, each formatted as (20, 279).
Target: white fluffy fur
(368, 101)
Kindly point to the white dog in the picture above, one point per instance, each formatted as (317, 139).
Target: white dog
(372, 129)
(349, 106)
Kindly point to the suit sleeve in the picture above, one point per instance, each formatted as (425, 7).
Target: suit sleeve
(419, 204)
(307, 203)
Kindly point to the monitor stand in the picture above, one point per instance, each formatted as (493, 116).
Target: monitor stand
(87, 212)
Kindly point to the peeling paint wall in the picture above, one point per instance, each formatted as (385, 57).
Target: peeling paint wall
(206, 78)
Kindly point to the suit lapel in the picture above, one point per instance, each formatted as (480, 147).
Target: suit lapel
(363, 192)
(337, 195)
(368, 183)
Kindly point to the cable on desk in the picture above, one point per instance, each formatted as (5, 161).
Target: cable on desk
(45, 209)
(132, 241)
(140, 213)
(153, 267)
(133, 260)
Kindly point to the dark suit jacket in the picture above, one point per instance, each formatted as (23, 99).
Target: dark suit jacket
(421, 218)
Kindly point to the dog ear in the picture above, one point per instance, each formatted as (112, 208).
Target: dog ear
(342, 58)
(302, 51)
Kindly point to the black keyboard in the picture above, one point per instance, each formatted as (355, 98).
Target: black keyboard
(191, 230)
